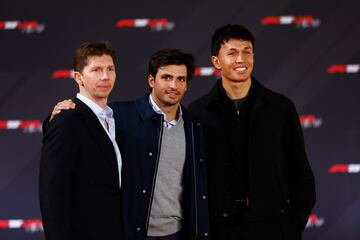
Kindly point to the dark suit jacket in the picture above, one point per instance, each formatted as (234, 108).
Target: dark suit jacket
(79, 181)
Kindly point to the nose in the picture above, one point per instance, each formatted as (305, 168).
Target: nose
(105, 75)
(173, 83)
(239, 57)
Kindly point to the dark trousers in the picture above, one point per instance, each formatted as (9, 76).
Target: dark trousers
(253, 230)
(175, 236)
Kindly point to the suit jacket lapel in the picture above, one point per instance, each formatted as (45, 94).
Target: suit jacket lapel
(96, 130)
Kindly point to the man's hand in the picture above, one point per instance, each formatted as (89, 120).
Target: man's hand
(63, 105)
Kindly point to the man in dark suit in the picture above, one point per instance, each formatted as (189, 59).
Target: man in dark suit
(80, 166)
(260, 182)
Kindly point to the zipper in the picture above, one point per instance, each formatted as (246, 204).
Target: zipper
(155, 173)
(195, 183)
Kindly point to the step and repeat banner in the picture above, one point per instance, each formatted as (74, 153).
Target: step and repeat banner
(307, 50)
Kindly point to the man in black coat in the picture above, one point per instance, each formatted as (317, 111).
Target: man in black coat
(80, 166)
(260, 182)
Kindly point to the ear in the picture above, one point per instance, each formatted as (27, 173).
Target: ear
(151, 80)
(78, 78)
(216, 63)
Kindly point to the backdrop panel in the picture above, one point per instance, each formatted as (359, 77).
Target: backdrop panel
(307, 50)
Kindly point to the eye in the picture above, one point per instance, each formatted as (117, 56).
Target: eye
(182, 79)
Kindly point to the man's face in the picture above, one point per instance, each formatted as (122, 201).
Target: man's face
(169, 85)
(235, 60)
(97, 78)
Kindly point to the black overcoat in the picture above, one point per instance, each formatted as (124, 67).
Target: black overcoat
(281, 182)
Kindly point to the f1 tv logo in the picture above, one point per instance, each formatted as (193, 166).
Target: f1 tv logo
(315, 221)
(300, 21)
(156, 24)
(23, 26)
(30, 225)
(206, 71)
(344, 168)
(344, 68)
(310, 120)
(28, 126)
(63, 73)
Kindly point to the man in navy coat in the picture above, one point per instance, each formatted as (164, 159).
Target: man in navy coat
(164, 192)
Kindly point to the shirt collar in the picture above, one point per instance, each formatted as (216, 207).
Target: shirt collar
(159, 111)
(107, 111)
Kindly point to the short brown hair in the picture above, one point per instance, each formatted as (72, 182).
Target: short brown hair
(89, 49)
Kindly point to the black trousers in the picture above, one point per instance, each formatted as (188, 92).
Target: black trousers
(277, 228)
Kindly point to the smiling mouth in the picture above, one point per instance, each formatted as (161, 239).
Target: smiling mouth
(240, 69)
